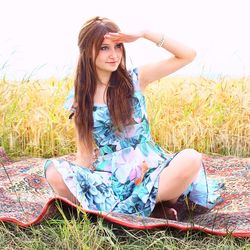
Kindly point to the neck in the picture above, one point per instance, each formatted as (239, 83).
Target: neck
(103, 78)
(103, 83)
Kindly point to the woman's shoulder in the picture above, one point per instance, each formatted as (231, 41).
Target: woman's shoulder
(68, 104)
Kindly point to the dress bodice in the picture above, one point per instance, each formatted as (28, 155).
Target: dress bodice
(109, 139)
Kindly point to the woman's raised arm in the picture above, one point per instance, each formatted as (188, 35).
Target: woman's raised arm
(181, 55)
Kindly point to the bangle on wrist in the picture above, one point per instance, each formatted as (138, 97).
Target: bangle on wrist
(161, 42)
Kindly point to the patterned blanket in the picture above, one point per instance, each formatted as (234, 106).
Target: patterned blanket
(27, 199)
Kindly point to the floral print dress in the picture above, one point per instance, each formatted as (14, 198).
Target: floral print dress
(127, 170)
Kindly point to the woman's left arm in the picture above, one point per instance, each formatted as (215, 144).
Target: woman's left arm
(182, 55)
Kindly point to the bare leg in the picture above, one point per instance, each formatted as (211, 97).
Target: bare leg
(180, 173)
(55, 180)
(176, 178)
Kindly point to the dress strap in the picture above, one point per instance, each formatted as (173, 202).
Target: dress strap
(134, 75)
(68, 104)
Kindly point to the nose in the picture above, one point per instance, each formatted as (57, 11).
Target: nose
(113, 53)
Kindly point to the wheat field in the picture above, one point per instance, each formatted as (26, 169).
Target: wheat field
(211, 116)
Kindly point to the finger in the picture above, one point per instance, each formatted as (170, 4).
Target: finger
(115, 39)
(112, 35)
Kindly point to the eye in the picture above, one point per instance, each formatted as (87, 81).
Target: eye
(104, 47)
(119, 46)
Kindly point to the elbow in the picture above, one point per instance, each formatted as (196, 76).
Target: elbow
(188, 57)
(191, 55)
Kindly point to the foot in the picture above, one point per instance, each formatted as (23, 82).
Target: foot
(171, 214)
(164, 212)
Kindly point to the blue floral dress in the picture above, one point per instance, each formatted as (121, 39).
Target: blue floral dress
(127, 171)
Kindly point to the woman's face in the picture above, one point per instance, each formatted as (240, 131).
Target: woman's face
(109, 57)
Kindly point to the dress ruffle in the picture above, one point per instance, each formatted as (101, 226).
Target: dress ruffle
(204, 191)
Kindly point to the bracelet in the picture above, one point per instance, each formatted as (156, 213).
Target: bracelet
(161, 42)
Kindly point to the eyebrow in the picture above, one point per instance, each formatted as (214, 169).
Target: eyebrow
(106, 44)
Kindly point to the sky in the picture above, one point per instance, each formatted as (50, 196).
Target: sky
(38, 38)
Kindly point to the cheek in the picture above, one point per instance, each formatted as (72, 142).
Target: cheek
(119, 53)
(102, 55)
(99, 58)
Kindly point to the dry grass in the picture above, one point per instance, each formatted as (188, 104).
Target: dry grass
(77, 231)
(33, 120)
(210, 116)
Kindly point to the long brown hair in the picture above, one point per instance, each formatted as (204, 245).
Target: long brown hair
(120, 88)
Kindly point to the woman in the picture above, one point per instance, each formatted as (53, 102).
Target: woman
(130, 173)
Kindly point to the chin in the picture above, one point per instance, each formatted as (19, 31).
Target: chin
(112, 69)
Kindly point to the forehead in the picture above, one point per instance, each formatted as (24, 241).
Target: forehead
(108, 42)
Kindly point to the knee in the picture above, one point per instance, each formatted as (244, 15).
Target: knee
(52, 175)
(192, 159)
(192, 154)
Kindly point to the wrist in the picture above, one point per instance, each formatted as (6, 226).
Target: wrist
(161, 41)
(144, 34)
(157, 38)
(84, 164)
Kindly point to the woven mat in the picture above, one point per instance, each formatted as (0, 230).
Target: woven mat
(27, 199)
